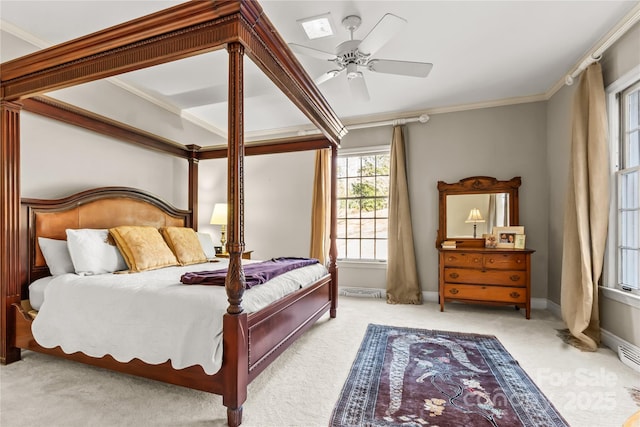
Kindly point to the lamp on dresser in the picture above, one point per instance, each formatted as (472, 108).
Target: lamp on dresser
(474, 217)
(219, 217)
(468, 271)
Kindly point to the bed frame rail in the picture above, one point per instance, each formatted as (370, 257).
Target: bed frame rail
(272, 331)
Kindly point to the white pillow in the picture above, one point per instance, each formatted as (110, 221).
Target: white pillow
(207, 244)
(56, 255)
(91, 253)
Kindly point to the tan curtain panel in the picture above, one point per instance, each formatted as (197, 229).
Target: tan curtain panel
(587, 212)
(403, 285)
(321, 207)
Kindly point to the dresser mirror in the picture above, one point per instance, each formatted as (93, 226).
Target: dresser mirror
(473, 206)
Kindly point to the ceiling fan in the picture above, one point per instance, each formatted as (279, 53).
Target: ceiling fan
(355, 55)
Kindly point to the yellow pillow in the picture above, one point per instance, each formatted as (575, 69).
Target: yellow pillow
(143, 248)
(185, 244)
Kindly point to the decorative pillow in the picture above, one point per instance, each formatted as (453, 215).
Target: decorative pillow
(56, 255)
(92, 252)
(207, 244)
(185, 244)
(143, 247)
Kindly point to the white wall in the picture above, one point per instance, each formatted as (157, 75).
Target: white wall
(278, 190)
(58, 160)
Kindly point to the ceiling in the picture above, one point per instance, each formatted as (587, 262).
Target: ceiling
(484, 53)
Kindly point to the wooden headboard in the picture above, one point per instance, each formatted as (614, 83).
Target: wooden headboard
(103, 207)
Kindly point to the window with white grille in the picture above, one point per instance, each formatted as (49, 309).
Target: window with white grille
(627, 184)
(363, 205)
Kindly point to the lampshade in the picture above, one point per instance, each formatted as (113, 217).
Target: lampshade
(219, 215)
(474, 216)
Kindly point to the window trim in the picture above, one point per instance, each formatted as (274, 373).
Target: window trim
(610, 267)
(363, 151)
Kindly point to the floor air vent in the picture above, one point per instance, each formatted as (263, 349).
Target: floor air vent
(362, 292)
(630, 356)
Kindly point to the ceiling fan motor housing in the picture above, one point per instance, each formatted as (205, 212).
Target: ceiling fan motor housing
(348, 53)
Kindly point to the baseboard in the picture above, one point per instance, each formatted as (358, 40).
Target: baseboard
(554, 309)
(430, 296)
(539, 303)
(433, 296)
(612, 341)
(608, 339)
(536, 303)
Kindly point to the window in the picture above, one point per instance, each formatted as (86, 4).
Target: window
(626, 223)
(363, 201)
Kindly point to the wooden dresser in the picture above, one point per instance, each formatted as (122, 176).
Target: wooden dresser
(488, 276)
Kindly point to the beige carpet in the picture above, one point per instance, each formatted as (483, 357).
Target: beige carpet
(302, 386)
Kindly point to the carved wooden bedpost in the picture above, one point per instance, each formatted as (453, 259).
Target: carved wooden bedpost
(236, 359)
(333, 248)
(10, 219)
(193, 160)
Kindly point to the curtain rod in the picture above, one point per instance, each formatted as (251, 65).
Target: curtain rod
(623, 26)
(422, 118)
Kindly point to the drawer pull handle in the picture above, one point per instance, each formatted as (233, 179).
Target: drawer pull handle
(454, 275)
(514, 277)
(491, 261)
(450, 258)
(518, 261)
(476, 260)
(514, 294)
(453, 291)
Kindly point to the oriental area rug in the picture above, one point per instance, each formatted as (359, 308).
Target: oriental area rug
(416, 377)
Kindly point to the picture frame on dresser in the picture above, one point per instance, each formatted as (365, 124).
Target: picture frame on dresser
(506, 236)
(473, 271)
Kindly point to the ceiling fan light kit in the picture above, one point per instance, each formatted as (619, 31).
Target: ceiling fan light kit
(352, 71)
(354, 55)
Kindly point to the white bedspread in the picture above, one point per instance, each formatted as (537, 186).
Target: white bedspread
(151, 315)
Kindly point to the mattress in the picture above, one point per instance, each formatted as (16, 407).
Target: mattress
(150, 315)
(36, 291)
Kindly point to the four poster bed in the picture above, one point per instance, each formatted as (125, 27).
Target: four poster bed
(250, 341)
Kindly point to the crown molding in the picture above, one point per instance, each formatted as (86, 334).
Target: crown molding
(630, 19)
(24, 35)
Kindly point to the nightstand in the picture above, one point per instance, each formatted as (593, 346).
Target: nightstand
(245, 255)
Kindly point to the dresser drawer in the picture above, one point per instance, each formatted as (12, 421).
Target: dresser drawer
(457, 259)
(505, 261)
(486, 277)
(485, 293)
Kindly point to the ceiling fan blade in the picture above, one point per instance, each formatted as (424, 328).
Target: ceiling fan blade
(304, 50)
(387, 27)
(358, 88)
(327, 76)
(404, 68)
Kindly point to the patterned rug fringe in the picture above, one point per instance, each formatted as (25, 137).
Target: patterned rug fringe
(634, 392)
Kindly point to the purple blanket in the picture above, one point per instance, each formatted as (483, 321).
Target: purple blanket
(255, 274)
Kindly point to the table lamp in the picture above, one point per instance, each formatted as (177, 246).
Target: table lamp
(475, 218)
(219, 217)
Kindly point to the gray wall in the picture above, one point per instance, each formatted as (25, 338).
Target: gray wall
(616, 317)
(558, 145)
(502, 142)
